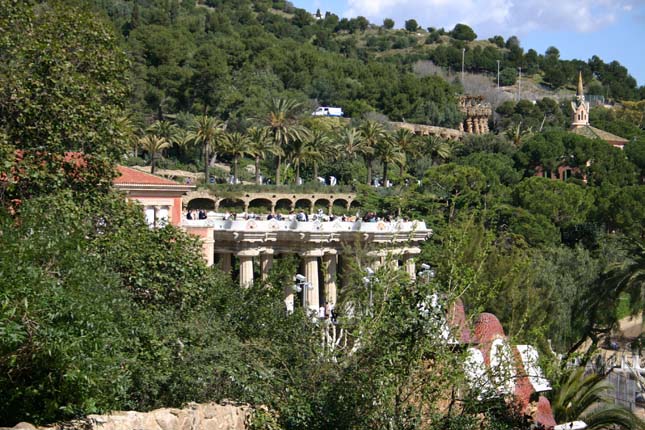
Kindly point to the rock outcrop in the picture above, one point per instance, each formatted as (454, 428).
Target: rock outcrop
(206, 416)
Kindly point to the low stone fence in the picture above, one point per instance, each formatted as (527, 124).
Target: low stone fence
(206, 416)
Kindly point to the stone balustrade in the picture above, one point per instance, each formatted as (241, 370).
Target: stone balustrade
(319, 244)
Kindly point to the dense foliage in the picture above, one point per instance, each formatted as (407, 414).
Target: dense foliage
(100, 312)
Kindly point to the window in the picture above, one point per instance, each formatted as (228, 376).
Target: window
(157, 216)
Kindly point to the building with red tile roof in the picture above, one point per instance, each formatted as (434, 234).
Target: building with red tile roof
(160, 197)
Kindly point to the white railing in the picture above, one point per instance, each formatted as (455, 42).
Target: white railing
(335, 226)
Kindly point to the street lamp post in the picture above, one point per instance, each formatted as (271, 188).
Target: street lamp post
(498, 74)
(367, 280)
(519, 85)
(426, 272)
(302, 286)
(463, 57)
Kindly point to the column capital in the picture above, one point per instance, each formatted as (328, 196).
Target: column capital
(247, 253)
(312, 253)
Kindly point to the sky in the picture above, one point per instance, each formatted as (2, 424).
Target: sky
(610, 29)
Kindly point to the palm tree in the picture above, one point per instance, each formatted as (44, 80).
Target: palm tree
(373, 133)
(303, 151)
(351, 143)
(407, 142)
(320, 149)
(516, 134)
(388, 152)
(589, 398)
(261, 145)
(206, 131)
(153, 145)
(165, 129)
(238, 145)
(282, 122)
(436, 148)
(127, 133)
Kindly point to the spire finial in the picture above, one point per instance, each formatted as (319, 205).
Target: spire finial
(580, 92)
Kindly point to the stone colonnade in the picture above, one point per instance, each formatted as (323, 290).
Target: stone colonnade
(477, 125)
(323, 289)
(273, 199)
(321, 247)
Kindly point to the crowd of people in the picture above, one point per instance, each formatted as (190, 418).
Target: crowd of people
(300, 216)
(193, 214)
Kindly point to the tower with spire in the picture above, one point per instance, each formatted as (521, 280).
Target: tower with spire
(579, 107)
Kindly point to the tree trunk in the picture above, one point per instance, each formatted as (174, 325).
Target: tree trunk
(298, 173)
(153, 161)
(315, 171)
(206, 175)
(213, 160)
(384, 173)
(235, 169)
(257, 170)
(277, 171)
(368, 164)
(402, 170)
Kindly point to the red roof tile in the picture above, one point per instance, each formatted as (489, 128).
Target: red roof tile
(457, 321)
(128, 176)
(487, 328)
(544, 414)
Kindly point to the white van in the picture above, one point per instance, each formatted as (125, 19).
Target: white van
(328, 111)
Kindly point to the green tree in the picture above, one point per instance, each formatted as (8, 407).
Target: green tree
(320, 149)
(565, 204)
(238, 145)
(388, 23)
(351, 143)
(463, 32)
(635, 152)
(411, 25)
(389, 153)
(508, 76)
(372, 134)
(153, 145)
(456, 188)
(436, 148)
(282, 122)
(590, 398)
(261, 146)
(408, 143)
(62, 80)
(206, 132)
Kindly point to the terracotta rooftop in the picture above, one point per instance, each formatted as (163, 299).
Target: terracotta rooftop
(128, 176)
(596, 133)
(544, 413)
(488, 328)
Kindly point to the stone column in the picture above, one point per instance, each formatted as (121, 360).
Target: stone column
(225, 262)
(376, 259)
(266, 262)
(394, 261)
(246, 267)
(208, 247)
(476, 125)
(410, 263)
(329, 266)
(410, 267)
(310, 260)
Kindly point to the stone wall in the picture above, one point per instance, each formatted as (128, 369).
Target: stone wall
(207, 416)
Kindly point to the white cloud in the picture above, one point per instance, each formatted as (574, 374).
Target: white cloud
(489, 17)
